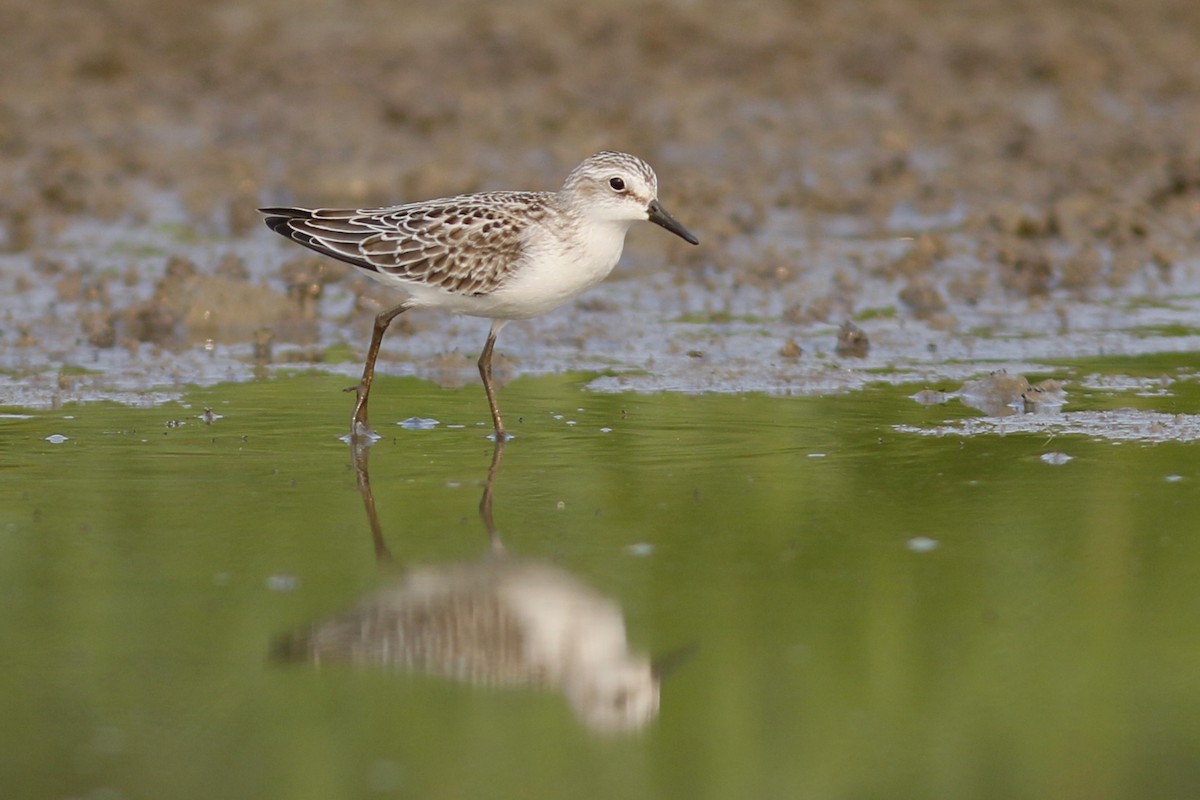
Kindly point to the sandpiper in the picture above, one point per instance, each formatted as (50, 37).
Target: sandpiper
(497, 255)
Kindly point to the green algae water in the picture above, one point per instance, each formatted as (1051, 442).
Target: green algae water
(867, 612)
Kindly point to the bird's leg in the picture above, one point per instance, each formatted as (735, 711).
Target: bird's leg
(485, 502)
(358, 423)
(359, 452)
(485, 373)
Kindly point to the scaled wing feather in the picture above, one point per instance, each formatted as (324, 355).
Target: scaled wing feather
(465, 245)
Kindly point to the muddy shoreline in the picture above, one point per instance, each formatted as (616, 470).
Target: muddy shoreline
(974, 187)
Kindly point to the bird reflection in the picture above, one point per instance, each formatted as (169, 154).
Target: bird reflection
(499, 620)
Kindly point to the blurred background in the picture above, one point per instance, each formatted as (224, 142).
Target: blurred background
(1059, 135)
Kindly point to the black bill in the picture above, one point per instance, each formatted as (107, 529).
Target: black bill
(659, 216)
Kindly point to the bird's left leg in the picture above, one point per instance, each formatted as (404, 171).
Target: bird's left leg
(358, 422)
(485, 373)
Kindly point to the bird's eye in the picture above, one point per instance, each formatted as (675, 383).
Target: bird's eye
(617, 184)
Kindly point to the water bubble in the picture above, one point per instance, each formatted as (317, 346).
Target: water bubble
(922, 544)
(283, 582)
(418, 424)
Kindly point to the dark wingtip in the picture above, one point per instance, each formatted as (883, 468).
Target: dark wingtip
(279, 219)
(278, 216)
(286, 211)
(279, 225)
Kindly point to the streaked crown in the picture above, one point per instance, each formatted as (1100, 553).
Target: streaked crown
(608, 164)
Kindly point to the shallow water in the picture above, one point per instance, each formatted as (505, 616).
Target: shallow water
(867, 611)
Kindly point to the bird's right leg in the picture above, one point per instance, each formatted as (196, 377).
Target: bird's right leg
(358, 423)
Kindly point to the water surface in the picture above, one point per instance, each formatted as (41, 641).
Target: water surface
(870, 612)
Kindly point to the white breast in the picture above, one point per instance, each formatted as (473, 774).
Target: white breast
(558, 269)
